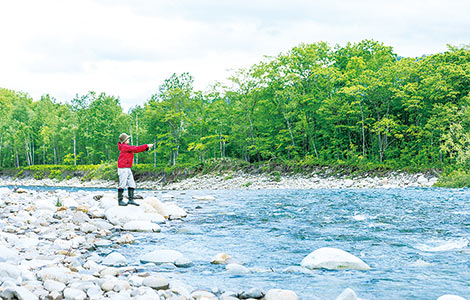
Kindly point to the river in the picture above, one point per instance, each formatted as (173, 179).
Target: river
(416, 240)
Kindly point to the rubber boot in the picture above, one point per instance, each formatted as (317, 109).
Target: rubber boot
(131, 197)
(121, 197)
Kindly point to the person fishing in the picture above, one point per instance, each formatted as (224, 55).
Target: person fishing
(125, 160)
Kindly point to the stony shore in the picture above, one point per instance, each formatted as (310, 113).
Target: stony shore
(249, 181)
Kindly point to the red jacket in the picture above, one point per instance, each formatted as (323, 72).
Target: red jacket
(126, 156)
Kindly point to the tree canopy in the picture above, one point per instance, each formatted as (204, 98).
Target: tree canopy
(358, 103)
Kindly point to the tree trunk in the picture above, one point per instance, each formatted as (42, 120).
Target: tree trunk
(155, 153)
(74, 149)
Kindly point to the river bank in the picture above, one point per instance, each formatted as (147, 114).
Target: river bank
(241, 180)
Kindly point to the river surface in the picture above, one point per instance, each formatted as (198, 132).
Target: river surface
(416, 240)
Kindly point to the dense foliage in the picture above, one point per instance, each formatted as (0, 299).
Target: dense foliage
(357, 104)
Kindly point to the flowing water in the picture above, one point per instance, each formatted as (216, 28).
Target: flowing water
(415, 240)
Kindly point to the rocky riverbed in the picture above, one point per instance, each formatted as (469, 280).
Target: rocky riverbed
(250, 181)
(49, 241)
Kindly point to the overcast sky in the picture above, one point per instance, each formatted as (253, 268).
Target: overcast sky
(127, 48)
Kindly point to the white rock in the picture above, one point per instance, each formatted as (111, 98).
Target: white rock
(221, 258)
(450, 297)
(5, 191)
(347, 294)
(161, 256)
(87, 228)
(45, 204)
(153, 204)
(120, 215)
(69, 202)
(54, 273)
(115, 259)
(18, 292)
(278, 294)
(125, 239)
(109, 271)
(156, 282)
(175, 212)
(74, 294)
(333, 259)
(203, 295)
(9, 271)
(52, 285)
(237, 269)
(141, 226)
(7, 254)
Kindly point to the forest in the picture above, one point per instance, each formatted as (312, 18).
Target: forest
(357, 104)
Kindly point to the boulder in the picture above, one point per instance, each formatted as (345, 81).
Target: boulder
(120, 215)
(141, 226)
(278, 294)
(18, 292)
(52, 285)
(161, 257)
(75, 294)
(7, 254)
(333, 259)
(9, 271)
(221, 258)
(156, 282)
(203, 295)
(237, 269)
(347, 294)
(115, 259)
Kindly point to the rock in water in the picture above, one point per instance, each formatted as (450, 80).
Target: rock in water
(161, 257)
(115, 259)
(347, 294)
(278, 294)
(333, 259)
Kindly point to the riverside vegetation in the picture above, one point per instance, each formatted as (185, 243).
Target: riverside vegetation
(357, 106)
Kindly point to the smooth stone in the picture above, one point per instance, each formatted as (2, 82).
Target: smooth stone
(109, 271)
(74, 294)
(450, 297)
(115, 259)
(141, 226)
(154, 205)
(54, 273)
(237, 269)
(125, 239)
(9, 271)
(183, 262)
(7, 254)
(156, 282)
(87, 228)
(278, 294)
(333, 259)
(120, 215)
(255, 293)
(161, 256)
(203, 295)
(52, 285)
(18, 292)
(175, 212)
(347, 294)
(95, 293)
(221, 258)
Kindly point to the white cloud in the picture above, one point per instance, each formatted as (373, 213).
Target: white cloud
(127, 48)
